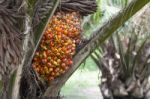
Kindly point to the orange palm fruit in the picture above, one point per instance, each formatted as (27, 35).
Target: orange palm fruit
(54, 55)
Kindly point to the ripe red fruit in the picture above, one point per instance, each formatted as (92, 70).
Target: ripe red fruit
(54, 55)
(70, 62)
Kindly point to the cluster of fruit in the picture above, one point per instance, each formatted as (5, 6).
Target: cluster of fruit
(58, 45)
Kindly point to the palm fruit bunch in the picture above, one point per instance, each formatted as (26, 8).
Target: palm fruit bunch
(57, 47)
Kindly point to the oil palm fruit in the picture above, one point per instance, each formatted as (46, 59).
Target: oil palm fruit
(54, 55)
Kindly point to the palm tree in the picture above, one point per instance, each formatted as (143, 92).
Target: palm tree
(124, 73)
(34, 17)
(124, 61)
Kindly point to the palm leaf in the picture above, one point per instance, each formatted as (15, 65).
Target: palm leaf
(96, 60)
(82, 6)
(144, 73)
(129, 53)
(138, 56)
(121, 53)
(42, 8)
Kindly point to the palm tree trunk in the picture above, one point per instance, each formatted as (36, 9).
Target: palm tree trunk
(110, 95)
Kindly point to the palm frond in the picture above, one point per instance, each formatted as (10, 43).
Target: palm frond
(121, 53)
(130, 49)
(41, 9)
(138, 55)
(85, 7)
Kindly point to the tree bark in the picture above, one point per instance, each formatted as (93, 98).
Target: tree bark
(97, 38)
